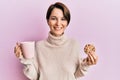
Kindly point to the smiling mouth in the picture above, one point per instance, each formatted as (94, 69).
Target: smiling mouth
(57, 28)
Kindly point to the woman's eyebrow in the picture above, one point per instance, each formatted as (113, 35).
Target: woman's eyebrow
(53, 16)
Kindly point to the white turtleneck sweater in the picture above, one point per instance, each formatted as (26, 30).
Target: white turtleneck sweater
(56, 58)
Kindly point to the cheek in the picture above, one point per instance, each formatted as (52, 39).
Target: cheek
(51, 23)
(65, 25)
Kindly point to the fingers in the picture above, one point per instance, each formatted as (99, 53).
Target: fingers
(18, 50)
(92, 59)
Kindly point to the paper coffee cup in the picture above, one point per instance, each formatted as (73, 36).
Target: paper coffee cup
(28, 49)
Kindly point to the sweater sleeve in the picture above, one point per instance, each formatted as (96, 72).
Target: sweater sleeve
(30, 68)
(81, 65)
(82, 68)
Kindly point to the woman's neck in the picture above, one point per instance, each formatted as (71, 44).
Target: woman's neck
(56, 35)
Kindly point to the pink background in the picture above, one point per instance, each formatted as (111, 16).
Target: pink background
(93, 21)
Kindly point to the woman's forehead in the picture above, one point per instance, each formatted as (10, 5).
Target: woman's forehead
(57, 12)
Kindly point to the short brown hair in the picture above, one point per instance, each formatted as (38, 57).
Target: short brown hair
(61, 6)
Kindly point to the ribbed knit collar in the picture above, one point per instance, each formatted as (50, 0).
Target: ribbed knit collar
(57, 41)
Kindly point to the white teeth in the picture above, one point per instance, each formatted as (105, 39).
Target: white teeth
(57, 28)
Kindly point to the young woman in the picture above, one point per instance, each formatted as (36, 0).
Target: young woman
(57, 57)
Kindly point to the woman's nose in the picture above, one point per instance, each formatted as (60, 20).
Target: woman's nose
(58, 22)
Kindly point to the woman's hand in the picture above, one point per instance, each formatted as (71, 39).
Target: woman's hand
(18, 50)
(92, 57)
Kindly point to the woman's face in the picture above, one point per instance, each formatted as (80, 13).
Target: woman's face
(57, 22)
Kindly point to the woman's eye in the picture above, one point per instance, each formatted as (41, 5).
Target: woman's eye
(53, 18)
(63, 19)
